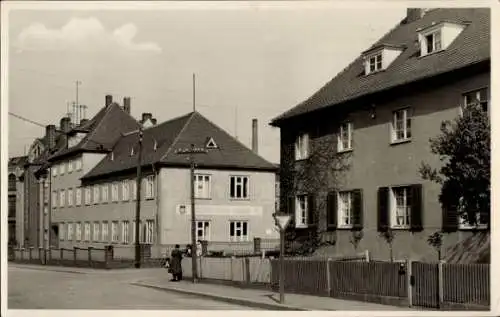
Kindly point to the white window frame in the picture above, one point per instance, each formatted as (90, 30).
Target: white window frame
(78, 194)
(203, 226)
(96, 232)
(88, 196)
(202, 186)
(133, 192)
(104, 231)
(70, 232)
(54, 169)
(406, 128)
(301, 211)
(149, 183)
(62, 198)
(62, 167)
(239, 225)
(302, 146)
(55, 198)
(125, 232)
(340, 137)
(78, 231)
(125, 190)
(96, 194)
(236, 181)
(70, 197)
(62, 233)
(149, 231)
(104, 193)
(86, 231)
(375, 63)
(477, 93)
(403, 212)
(115, 236)
(70, 166)
(114, 192)
(345, 209)
(435, 47)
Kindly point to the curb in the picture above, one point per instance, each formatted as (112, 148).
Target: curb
(227, 299)
(48, 268)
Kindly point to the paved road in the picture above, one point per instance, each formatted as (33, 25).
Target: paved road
(31, 288)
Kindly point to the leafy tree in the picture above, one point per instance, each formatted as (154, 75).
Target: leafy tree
(464, 149)
(356, 238)
(389, 235)
(315, 176)
(436, 241)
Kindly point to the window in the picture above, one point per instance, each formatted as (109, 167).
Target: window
(70, 231)
(62, 198)
(114, 192)
(78, 196)
(96, 194)
(239, 187)
(62, 167)
(12, 182)
(125, 232)
(150, 182)
(87, 231)
(70, 166)
(96, 232)
(54, 199)
(105, 193)
(238, 231)
(345, 210)
(87, 195)
(401, 125)
(78, 231)
(114, 231)
(400, 207)
(433, 42)
(54, 170)
(301, 210)
(125, 190)
(141, 231)
(302, 147)
(149, 231)
(375, 62)
(345, 137)
(203, 230)
(480, 96)
(104, 231)
(202, 186)
(70, 197)
(463, 224)
(61, 231)
(78, 164)
(134, 189)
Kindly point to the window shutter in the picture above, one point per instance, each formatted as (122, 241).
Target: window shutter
(416, 208)
(311, 210)
(383, 209)
(357, 209)
(291, 206)
(450, 219)
(331, 210)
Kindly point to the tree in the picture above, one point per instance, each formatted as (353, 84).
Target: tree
(315, 176)
(388, 235)
(464, 149)
(436, 241)
(355, 239)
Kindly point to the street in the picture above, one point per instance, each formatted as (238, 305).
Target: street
(32, 288)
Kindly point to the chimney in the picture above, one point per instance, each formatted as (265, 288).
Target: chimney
(109, 100)
(126, 104)
(65, 124)
(83, 121)
(50, 135)
(146, 116)
(153, 121)
(414, 14)
(255, 136)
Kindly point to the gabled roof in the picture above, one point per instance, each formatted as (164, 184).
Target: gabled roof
(471, 47)
(104, 129)
(180, 133)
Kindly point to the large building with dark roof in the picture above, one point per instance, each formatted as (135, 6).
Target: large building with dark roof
(94, 200)
(378, 115)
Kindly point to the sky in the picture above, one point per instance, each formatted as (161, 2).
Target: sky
(250, 60)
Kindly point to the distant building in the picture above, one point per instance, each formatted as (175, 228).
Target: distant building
(15, 200)
(382, 109)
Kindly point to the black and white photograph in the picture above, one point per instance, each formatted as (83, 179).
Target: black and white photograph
(249, 156)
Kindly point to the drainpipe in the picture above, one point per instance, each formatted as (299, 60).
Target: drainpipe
(156, 172)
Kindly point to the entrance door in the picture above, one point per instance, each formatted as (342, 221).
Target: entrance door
(54, 237)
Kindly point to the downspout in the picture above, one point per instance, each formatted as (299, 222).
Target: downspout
(156, 212)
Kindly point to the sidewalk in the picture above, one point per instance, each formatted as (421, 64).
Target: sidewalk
(264, 299)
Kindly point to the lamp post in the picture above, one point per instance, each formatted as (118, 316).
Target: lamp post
(282, 222)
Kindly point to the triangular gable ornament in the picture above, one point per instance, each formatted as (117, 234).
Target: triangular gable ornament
(211, 144)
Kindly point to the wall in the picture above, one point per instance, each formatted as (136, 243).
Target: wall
(220, 209)
(19, 211)
(376, 163)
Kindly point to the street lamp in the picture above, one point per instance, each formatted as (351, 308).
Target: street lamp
(282, 222)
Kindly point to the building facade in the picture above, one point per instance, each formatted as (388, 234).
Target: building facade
(378, 116)
(15, 200)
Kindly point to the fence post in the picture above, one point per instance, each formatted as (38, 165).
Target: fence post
(40, 257)
(367, 255)
(231, 264)
(74, 255)
(31, 256)
(90, 256)
(62, 256)
(440, 284)
(409, 281)
(328, 278)
(257, 245)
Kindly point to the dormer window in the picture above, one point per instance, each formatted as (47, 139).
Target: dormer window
(380, 57)
(376, 62)
(438, 36)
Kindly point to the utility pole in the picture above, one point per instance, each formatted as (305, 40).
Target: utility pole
(191, 152)
(138, 204)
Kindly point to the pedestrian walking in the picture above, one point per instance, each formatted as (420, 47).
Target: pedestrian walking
(175, 264)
